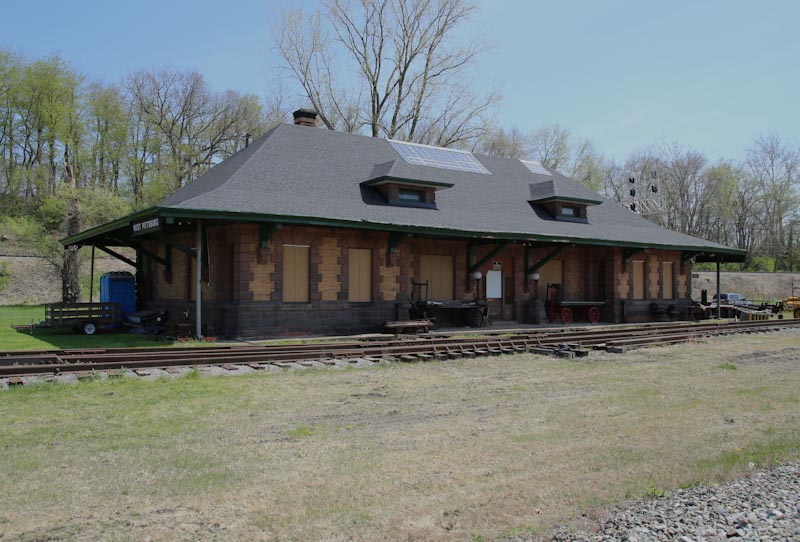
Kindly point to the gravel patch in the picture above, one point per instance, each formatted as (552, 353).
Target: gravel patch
(762, 507)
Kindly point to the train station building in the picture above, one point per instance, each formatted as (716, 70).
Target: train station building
(312, 231)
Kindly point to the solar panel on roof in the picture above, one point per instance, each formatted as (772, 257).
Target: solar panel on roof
(425, 155)
(535, 167)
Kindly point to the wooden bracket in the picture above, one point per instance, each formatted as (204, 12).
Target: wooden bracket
(688, 257)
(141, 250)
(538, 265)
(267, 230)
(472, 267)
(628, 252)
(395, 238)
(177, 244)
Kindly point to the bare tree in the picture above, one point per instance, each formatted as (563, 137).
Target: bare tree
(190, 126)
(773, 167)
(408, 69)
(506, 143)
(550, 145)
(587, 165)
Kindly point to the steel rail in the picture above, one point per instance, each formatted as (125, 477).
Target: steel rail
(67, 361)
(76, 355)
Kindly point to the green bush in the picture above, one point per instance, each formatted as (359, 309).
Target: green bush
(52, 213)
(761, 263)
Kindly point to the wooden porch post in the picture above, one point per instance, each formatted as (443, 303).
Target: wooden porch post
(719, 300)
(91, 277)
(198, 319)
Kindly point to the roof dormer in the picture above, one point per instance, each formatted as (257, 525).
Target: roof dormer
(563, 202)
(399, 186)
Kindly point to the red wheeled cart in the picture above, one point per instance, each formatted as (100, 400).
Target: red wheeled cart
(567, 311)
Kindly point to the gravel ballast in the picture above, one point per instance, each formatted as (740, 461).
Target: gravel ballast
(760, 507)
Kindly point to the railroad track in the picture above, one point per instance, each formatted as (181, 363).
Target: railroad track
(19, 367)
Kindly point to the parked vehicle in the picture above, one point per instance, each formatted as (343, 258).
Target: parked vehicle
(730, 298)
(791, 303)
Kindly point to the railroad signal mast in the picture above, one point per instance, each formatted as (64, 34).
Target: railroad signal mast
(644, 195)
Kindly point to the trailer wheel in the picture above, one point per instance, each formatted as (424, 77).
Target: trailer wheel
(88, 328)
(566, 315)
(475, 317)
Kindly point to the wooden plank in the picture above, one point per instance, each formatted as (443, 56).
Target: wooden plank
(359, 285)
(296, 273)
(638, 279)
(437, 271)
(666, 278)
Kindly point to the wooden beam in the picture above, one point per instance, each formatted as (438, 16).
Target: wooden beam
(472, 267)
(538, 265)
(117, 255)
(139, 248)
(177, 244)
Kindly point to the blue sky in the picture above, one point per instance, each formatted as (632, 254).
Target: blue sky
(626, 74)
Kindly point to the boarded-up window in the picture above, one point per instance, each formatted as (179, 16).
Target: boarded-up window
(638, 280)
(359, 282)
(549, 273)
(295, 273)
(437, 271)
(666, 278)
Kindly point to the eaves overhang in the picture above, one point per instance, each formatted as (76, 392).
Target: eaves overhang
(736, 255)
(699, 253)
(388, 179)
(567, 199)
(79, 238)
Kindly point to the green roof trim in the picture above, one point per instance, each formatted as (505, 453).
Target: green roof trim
(443, 232)
(385, 179)
(568, 199)
(109, 226)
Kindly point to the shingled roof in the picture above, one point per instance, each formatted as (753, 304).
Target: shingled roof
(301, 174)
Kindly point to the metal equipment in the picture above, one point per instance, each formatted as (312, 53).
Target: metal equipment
(558, 307)
(472, 313)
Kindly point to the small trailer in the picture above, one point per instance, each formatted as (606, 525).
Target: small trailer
(471, 313)
(702, 311)
(567, 311)
(85, 318)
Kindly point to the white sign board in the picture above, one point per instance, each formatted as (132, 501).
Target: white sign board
(494, 284)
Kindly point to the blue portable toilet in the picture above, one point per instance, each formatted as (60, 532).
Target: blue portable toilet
(120, 287)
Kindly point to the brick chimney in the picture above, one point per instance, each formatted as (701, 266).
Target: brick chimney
(305, 117)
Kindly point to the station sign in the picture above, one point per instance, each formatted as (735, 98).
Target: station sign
(146, 226)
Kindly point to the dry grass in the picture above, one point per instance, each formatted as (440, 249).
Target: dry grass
(475, 449)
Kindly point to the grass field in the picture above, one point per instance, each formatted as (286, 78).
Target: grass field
(43, 338)
(486, 449)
